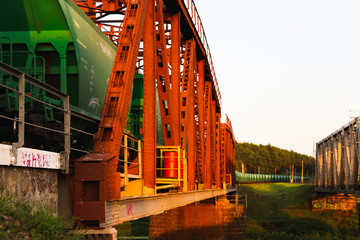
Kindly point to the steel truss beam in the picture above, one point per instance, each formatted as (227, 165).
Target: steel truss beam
(189, 98)
(187, 112)
(163, 80)
(118, 212)
(337, 160)
(96, 176)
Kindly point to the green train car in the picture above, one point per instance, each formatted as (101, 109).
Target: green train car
(263, 178)
(56, 43)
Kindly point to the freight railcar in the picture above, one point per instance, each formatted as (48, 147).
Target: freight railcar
(56, 43)
(263, 178)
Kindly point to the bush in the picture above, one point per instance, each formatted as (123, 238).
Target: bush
(19, 220)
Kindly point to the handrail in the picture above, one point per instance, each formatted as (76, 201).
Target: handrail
(22, 79)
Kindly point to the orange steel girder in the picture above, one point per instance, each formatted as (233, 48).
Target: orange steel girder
(222, 153)
(207, 134)
(187, 120)
(199, 122)
(217, 150)
(163, 81)
(189, 104)
(213, 141)
(175, 37)
(231, 149)
(97, 10)
(96, 176)
(228, 152)
(149, 124)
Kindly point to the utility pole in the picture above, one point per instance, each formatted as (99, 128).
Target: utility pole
(302, 171)
(293, 171)
(242, 167)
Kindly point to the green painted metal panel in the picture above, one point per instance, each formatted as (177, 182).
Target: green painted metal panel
(34, 15)
(95, 56)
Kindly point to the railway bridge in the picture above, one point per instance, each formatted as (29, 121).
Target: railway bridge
(337, 160)
(337, 181)
(110, 110)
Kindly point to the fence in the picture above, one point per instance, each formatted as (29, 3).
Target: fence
(15, 96)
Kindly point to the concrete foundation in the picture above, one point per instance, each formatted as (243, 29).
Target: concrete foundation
(38, 186)
(221, 220)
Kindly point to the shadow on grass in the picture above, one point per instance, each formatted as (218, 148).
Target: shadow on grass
(283, 211)
(290, 228)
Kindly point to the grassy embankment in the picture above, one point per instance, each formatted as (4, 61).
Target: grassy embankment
(19, 220)
(283, 211)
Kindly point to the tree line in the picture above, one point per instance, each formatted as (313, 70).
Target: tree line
(269, 159)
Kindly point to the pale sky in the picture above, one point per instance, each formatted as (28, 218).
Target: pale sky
(288, 70)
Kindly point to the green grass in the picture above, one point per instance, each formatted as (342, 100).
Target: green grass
(283, 211)
(19, 220)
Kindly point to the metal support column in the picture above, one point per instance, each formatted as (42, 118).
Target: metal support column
(149, 125)
(175, 74)
(201, 146)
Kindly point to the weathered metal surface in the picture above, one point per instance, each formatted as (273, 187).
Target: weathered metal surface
(131, 209)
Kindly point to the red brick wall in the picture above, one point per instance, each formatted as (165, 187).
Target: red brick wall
(202, 221)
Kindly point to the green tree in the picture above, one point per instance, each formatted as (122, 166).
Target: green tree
(268, 158)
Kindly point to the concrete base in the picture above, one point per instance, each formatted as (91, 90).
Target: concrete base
(222, 220)
(98, 234)
(38, 186)
(41, 187)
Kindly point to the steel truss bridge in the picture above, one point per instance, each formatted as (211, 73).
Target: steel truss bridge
(124, 177)
(337, 160)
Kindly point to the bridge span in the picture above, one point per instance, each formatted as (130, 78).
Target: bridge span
(115, 103)
(337, 160)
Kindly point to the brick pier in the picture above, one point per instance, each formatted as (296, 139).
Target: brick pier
(220, 220)
(333, 202)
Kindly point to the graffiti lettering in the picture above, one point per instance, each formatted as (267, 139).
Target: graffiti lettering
(129, 208)
(37, 160)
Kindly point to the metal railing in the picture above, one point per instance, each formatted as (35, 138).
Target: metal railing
(131, 162)
(171, 167)
(21, 93)
(194, 14)
(238, 199)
